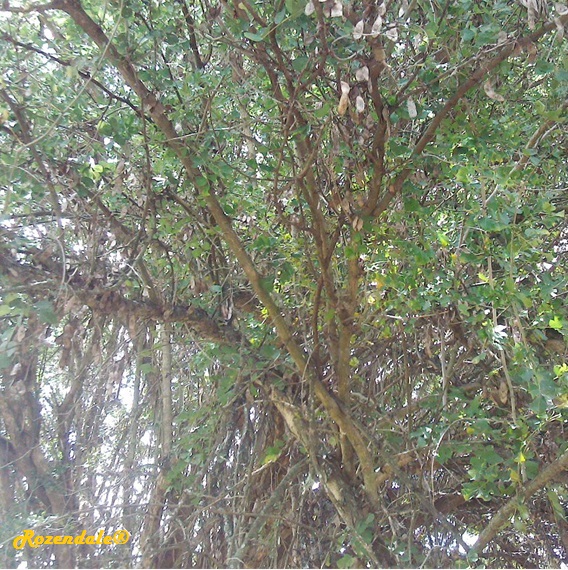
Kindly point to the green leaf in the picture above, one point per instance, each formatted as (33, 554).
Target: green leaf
(280, 17)
(5, 310)
(46, 312)
(255, 36)
(472, 556)
(443, 239)
(273, 452)
(147, 368)
(346, 561)
(556, 323)
(559, 510)
(295, 7)
(467, 35)
(202, 184)
(267, 283)
(299, 64)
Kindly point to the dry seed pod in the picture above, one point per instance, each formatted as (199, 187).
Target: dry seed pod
(358, 30)
(337, 10)
(362, 74)
(377, 26)
(343, 104)
(491, 93)
(392, 34)
(503, 392)
(357, 224)
(411, 106)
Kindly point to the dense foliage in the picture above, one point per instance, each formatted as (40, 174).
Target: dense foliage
(283, 283)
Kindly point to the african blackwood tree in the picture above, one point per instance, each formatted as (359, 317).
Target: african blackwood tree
(284, 282)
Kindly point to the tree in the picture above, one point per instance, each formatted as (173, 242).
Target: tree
(284, 283)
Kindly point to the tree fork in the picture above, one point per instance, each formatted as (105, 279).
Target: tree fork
(159, 115)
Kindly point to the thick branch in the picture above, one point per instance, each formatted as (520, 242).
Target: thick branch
(105, 301)
(338, 489)
(501, 519)
(200, 179)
